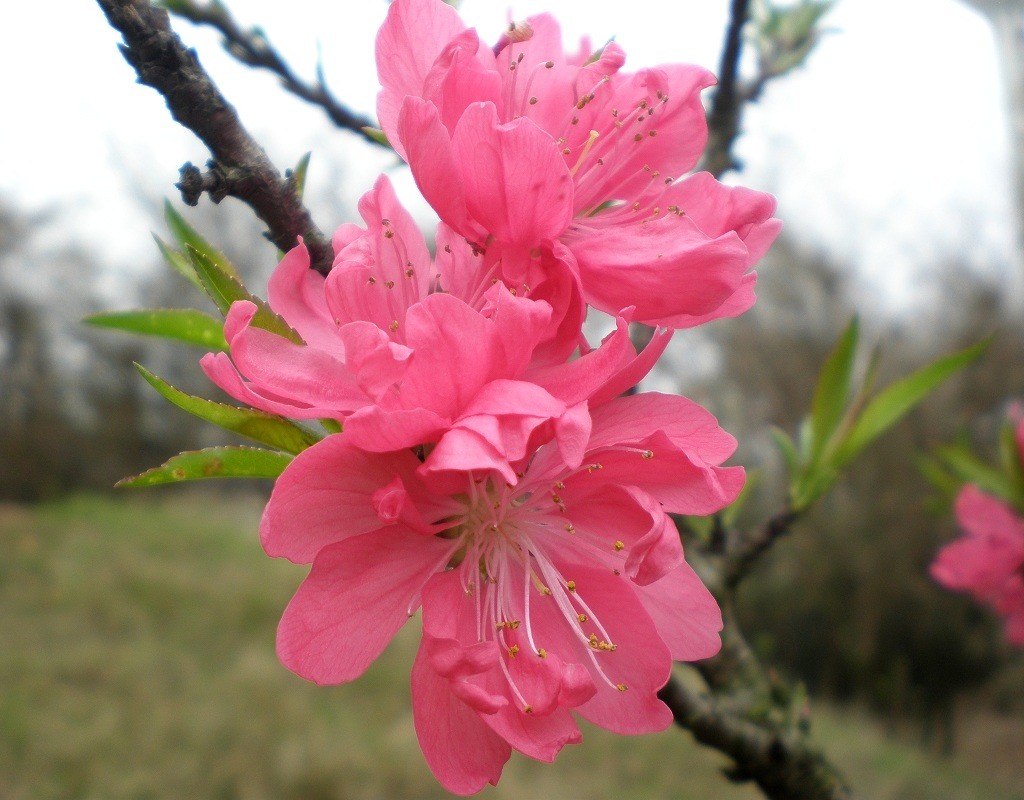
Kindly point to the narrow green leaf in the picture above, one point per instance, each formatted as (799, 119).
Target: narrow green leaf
(224, 290)
(184, 325)
(833, 390)
(298, 175)
(187, 236)
(897, 399)
(938, 475)
(257, 425)
(213, 462)
(178, 262)
(789, 452)
(1012, 460)
(970, 469)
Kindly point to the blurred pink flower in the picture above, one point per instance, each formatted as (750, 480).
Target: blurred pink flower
(550, 587)
(522, 146)
(988, 560)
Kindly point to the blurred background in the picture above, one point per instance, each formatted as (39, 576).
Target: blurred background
(137, 628)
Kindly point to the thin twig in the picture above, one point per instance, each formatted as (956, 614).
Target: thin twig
(240, 166)
(253, 49)
(745, 553)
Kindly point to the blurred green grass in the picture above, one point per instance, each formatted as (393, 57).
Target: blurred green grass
(137, 661)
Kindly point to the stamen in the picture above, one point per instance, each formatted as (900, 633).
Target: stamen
(588, 145)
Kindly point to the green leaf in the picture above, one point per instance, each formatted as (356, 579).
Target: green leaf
(213, 462)
(178, 262)
(970, 469)
(257, 425)
(833, 390)
(298, 175)
(896, 400)
(225, 289)
(377, 135)
(187, 236)
(789, 452)
(184, 325)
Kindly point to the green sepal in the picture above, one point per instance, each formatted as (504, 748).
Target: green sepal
(184, 325)
(896, 400)
(331, 425)
(186, 236)
(265, 428)
(213, 462)
(225, 289)
(298, 175)
(377, 135)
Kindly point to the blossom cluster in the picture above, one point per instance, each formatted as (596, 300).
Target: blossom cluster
(490, 469)
(988, 560)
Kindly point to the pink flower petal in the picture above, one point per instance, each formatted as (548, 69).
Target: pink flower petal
(461, 750)
(517, 185)
(359, 592)
(413, 35)
(686, 615)
(326, 495)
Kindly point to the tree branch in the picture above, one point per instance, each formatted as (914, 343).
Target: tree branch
(727, 105)
(240, 166)
(253, 49)
(780, 761)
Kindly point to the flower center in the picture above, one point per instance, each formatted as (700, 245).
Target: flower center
(507, 560)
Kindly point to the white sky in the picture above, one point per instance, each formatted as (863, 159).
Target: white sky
(889, 148)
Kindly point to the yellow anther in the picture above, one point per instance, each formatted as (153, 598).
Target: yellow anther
(527, 709)
(570, 585)
(619, 545)
(394, 325)
(648, 454)
(555, 498)
(513, 650)
(542, 652)
(592, 639)
(582, 618)
(544, 590)
(570, 528)
(621, 687)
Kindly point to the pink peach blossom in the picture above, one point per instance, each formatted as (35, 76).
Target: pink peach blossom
(520, 145)
(549, 588)
(404, 360)
(988, 560)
